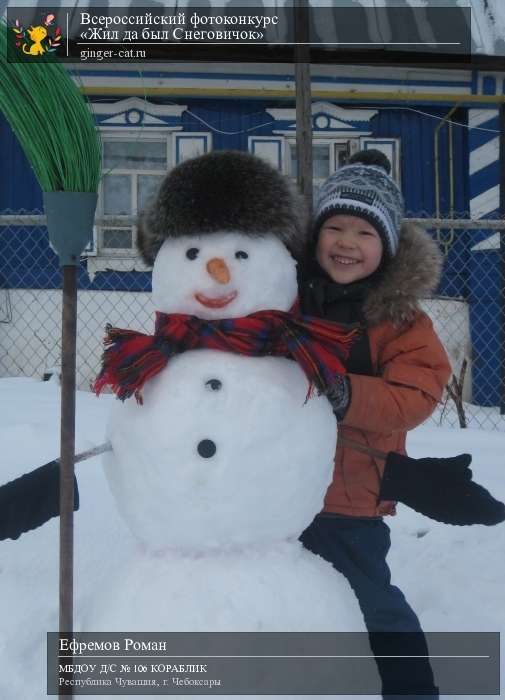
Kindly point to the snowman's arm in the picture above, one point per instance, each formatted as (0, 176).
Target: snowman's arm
(93, 452)
(34, 498)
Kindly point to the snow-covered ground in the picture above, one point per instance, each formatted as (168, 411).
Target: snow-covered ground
(452, 576)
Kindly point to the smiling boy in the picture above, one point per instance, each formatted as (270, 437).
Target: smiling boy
(364, 266)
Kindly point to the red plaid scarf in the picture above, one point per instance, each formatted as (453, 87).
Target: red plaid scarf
(132, 358)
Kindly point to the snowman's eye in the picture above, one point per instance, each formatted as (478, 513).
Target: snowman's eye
(213, 384)
(241, 255)
(192, 253)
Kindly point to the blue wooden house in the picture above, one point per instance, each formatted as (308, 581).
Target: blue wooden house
(438, 125)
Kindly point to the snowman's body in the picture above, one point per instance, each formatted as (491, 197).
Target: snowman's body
(223, 466)
(223, 452)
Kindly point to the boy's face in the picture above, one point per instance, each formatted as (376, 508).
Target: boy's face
(348, 248)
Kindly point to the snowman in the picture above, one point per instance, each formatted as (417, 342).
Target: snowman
(221, 454)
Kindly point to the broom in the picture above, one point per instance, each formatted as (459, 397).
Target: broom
(56, 130)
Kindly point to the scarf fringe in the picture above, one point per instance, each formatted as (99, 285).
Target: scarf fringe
(129, 360)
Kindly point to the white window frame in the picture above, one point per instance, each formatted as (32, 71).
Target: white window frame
(205, 136)
(131, 134)
(278, 141)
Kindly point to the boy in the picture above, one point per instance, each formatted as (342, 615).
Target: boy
(361, 268)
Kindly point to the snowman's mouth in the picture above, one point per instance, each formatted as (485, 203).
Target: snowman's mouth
(215, 302)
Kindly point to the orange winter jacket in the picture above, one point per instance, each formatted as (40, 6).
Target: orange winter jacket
(411, 370)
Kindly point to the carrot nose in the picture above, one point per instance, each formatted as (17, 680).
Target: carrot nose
(218, 270)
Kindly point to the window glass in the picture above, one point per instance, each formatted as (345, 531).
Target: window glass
(135, 155)
(320, 161)
(147, 186)
(341, 155)
(117, 238)
(117, 194)
(190, 147)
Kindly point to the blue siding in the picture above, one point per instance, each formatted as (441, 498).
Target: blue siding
(416, 133)
(19, 188)
(228, 116)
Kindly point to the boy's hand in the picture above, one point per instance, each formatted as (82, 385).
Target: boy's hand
(441, 489)
(339, 396)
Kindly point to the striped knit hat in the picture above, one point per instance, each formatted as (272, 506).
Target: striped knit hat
(364, 188)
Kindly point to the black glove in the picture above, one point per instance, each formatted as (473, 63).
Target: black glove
(442, 489)
(339, 396)
(31, 500)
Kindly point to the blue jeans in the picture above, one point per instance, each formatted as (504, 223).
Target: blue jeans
(357, 547)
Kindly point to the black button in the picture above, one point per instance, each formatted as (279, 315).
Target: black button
(206, 448)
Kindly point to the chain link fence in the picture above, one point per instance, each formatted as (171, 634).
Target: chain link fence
(468, 310)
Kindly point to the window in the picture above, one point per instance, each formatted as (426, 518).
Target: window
(133, 169)
(190, 145)
(327, 156)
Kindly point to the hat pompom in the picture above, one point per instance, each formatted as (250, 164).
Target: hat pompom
(372, 157)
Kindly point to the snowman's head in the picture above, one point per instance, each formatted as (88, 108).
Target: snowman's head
(223, 275)
(223, 192)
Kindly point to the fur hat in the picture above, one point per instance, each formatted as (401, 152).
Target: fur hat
(364, 188)
(223, 191)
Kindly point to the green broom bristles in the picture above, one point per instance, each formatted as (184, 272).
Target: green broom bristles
(51, 120)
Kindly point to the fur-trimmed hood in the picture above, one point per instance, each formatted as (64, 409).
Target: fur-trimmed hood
(412, 274)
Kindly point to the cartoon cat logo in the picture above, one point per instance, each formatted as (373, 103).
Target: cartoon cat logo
(42, 42)
(37, 35)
